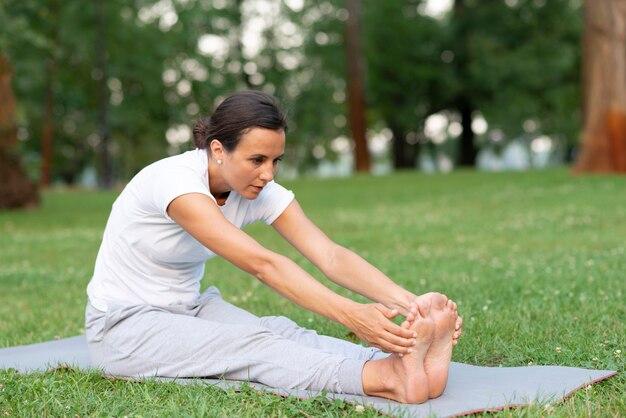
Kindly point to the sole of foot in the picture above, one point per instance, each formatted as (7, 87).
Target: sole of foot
(413, 372)
(437, 361)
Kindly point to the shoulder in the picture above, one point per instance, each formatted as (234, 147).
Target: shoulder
(271, 202)
(164, 180)
(194, 160)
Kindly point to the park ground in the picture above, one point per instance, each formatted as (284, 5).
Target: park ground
(535, 260)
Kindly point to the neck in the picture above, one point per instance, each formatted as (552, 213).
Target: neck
(217, 186)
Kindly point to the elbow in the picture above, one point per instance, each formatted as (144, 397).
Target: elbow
(333, 260)
(265, 267)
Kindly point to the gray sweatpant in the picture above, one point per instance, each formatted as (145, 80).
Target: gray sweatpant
(211, 337)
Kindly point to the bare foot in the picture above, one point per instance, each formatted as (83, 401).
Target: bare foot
(437, 361)
(403, 378)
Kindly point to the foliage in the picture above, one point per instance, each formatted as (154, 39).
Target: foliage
(512, 61)
(523, 64)
(170, 61)
(536, 263)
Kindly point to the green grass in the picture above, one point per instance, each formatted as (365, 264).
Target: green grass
(535, 260)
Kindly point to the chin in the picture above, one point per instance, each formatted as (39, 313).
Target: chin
(250, 196)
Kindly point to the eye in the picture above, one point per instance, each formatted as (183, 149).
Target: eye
(276, 161)
(257, 160)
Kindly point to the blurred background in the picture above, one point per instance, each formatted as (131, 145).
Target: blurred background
(92, 91)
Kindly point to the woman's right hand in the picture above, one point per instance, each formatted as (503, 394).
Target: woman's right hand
(372, 323)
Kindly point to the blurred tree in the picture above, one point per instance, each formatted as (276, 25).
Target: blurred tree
(49, 97)
(100, 68)
(604, 88)
(520, 67)
(464, 99)
(315, 87)
(16, 189)
(170, 61)
(496, 58)
(407, 80)
(356, 89)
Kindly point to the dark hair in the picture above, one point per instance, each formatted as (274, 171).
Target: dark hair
(235, 115)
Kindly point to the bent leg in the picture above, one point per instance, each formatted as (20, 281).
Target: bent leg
(149, 341)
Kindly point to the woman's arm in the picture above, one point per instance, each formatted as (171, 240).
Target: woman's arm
(201, 217)
(339, 264)
(343, 266)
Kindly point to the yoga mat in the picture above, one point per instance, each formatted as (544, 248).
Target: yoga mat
(470, 389)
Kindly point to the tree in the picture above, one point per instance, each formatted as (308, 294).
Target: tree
(604, 88)
(16, 189)
(407, 80)
(356, 88)
(515, 62)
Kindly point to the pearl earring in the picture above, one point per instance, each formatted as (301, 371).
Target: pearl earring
(219, 162)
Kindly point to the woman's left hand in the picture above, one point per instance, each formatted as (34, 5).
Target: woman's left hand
(372, 324)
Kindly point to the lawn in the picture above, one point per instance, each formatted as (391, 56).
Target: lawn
(536, 262)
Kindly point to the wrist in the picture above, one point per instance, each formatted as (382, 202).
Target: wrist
(344, 312)
(402, 301)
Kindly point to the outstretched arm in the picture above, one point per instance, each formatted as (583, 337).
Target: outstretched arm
(368, 321)
(339, 264)
(342, 265)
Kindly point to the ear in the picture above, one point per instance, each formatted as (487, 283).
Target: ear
(217, 149)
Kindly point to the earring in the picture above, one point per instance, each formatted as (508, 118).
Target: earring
(219, 162)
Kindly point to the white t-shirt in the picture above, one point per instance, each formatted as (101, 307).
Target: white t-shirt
(147, 258)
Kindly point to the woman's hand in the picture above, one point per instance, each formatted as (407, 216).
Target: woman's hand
(372, 323)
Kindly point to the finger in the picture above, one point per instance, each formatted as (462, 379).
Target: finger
(389, 313)
(394, 344)
(399, 332)
(424, 309)
(410, 317)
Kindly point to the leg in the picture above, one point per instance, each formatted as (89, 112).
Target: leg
(148, 341)
(214, 308)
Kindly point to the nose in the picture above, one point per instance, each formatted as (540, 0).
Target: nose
(267, 174)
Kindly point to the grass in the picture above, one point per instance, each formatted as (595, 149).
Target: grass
(535, 260)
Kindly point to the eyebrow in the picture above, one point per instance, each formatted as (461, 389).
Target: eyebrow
(265, 156)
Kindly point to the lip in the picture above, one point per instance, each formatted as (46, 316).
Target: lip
(259, 188)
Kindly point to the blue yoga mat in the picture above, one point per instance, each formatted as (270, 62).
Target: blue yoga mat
(470, 389)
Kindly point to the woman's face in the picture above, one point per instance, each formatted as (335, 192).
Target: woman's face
(254, 161)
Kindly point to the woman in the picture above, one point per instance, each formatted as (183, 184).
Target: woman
(145, 315)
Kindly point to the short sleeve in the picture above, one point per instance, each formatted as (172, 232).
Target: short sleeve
(174, 182)
(270, 204)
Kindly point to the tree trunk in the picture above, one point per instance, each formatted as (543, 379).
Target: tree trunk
(467, 148)
(356, 97)
(47, 133)
(467, 151)
(16, 189)
(604, 88)
(404, 154)
(106, 173)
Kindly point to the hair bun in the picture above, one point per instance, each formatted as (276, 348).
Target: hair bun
(201, 132)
